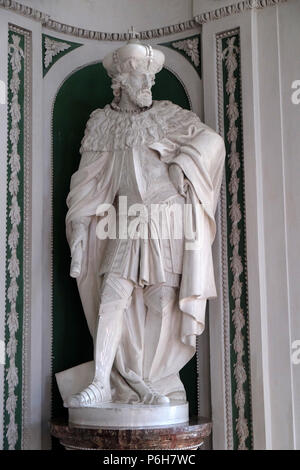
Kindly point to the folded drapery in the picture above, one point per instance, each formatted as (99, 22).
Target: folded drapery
(178, 136)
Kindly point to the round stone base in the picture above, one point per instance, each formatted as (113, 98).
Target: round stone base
(117, 415)
(186, 436)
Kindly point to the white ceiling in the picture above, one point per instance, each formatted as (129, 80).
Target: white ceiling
(116, 15)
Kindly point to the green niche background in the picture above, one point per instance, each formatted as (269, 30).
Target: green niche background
(84, 91)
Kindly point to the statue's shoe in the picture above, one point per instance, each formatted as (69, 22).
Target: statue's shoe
(153, 397)
(94, 395)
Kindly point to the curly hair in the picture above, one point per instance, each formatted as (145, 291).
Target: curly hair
(116, 84)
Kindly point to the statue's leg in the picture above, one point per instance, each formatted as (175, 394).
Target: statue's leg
(115, 297)
(157, 298)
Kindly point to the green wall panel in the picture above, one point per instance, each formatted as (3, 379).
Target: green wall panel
(236, 241)
(14, 309)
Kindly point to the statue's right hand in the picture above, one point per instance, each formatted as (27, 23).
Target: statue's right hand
(79, 235)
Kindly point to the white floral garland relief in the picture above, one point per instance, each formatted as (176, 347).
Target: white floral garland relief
(229, 55)
(16, 55)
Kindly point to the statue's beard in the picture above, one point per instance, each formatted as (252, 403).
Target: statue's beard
(142, 98)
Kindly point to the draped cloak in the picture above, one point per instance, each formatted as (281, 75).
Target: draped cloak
(178, 136)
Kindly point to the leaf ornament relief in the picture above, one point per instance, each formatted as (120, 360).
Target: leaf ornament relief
(16, 56)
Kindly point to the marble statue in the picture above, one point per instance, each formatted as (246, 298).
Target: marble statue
(143, 280)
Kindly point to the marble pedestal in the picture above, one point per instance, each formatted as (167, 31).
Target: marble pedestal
(119, 415)
(185, 436)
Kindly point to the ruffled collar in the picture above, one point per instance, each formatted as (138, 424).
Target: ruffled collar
(109, 129)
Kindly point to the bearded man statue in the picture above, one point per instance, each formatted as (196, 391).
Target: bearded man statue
(144, 294)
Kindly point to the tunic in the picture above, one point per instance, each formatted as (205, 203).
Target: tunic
(154, 256)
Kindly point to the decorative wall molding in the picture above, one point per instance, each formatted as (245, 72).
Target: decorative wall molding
(238, 7)
(224, 295)
(234, 258)
(216, 14)
(53, 49)
(18, 252)
(24, 10)
(27, 239)
(190, 48)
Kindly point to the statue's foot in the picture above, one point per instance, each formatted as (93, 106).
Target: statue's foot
(153, 397)
(94, 395)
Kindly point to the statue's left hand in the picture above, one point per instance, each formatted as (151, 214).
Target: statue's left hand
(177, 178)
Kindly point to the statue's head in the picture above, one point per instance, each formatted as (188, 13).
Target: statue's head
(132, 68)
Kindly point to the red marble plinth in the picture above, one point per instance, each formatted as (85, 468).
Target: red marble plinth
(178, 437)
